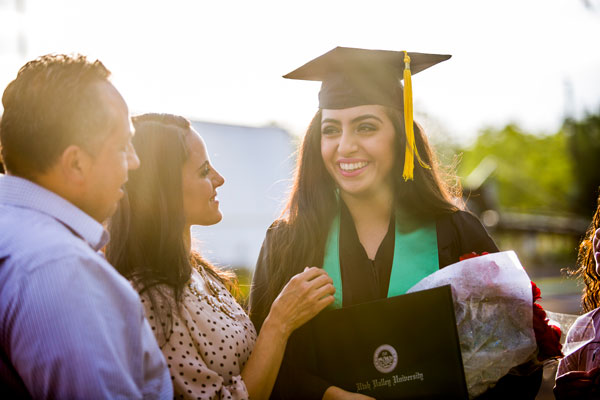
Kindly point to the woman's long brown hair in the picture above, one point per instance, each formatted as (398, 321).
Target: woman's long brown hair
(298, 236)
(587, 266)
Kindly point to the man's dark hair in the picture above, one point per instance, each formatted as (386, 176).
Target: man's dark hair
(53, 103)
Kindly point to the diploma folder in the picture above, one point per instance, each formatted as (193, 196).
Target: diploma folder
(403, 347)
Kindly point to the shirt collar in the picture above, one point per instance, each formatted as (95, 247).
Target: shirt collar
(23, 193)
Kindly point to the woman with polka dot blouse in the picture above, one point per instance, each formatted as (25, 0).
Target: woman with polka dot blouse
(210, 344)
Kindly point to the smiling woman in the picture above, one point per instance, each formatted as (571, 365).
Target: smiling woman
(368, 206)
(210, 344)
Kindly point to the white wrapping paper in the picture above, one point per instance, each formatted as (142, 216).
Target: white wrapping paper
(494, 314)
(580, 333)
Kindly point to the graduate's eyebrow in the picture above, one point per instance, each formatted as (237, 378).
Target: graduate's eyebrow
(355, 120)
(366, 116)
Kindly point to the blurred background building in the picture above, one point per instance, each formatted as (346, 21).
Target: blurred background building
(257, 164)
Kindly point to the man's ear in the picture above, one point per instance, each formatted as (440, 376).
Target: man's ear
(74, 164)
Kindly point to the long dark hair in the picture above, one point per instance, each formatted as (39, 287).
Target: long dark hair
(587, 265)
(301, 231)
(147, 244)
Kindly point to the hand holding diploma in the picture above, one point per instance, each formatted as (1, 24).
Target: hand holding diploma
(335, 393)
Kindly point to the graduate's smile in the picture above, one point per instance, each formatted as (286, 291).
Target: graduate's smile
(351, 167)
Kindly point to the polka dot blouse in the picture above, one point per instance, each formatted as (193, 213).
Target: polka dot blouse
(207, 348)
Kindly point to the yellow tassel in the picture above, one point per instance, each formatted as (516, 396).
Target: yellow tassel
(411, 148)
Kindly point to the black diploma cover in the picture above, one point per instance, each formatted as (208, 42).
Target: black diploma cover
(403, 347)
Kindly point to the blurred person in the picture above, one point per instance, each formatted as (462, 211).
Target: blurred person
(72, 327)
(369, 204)
(578, 374)
(211, 346)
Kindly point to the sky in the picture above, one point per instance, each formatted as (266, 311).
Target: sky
(528, 62)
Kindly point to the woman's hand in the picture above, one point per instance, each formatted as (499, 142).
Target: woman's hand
(335, 393)
(304, 296)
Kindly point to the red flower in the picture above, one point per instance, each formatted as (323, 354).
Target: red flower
(547, 336)
(471, 255)
(535, 292)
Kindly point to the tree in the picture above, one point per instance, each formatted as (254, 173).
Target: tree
(533, 173)
(584, 146)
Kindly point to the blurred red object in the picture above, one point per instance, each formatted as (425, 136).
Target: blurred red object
(547, 335)
(472, 255)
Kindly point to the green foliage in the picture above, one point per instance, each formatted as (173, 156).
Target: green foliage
(533, 173)
(584, 145)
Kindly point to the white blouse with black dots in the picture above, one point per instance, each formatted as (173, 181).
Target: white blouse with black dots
(208, 348)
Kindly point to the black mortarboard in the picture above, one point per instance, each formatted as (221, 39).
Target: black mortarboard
(352, 77)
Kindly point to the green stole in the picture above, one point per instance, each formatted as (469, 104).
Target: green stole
(415, 257)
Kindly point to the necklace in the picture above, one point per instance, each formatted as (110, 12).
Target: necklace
(215, 296)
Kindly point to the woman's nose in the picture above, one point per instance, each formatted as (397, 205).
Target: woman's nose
(347, 143)
(218, 180)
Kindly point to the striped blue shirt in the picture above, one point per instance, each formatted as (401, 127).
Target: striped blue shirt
(71, 326)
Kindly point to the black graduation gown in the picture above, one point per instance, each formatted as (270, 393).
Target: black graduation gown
(365, 280)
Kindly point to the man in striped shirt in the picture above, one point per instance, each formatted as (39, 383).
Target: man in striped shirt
(72, 327)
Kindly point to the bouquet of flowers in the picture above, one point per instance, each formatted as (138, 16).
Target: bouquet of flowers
(499, 324)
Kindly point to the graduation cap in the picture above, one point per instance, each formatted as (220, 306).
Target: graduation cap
(351, 77)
